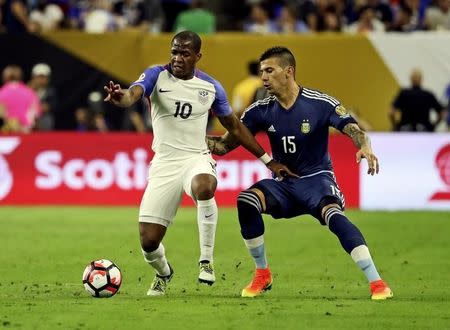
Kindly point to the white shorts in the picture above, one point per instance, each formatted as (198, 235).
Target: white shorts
(166, 182)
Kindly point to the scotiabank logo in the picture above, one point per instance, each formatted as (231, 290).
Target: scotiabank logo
(7, 145)
(125, 172)
(442, 162)
(99, 174)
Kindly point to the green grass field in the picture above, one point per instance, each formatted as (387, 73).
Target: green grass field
(316, 285)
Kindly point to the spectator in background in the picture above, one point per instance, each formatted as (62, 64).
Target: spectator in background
(47, 16)
(307, 12)
(16, 17)
(322, 15)
(259, 21)
(438, 17)
(411, 108)
(130, 13)
(154, 15)
(77, 13)
(100, 18)
(82, 120)
(171, 10)
(382, 11)
(244, 92)
(417, 16)
(87, 120)
(367, 22)
(330, 20)
(403, 20)
(40, 83)
(197, 19)
(288, 22)
(20, 103)
(233, 15)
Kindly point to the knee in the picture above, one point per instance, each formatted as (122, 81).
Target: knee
(149, 243)
(249, 214)
(203, 187)
(204, 192)
(251, 198)
(328, 207)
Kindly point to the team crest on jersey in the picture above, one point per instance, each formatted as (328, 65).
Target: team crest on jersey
(305, 128)
(341, 111)
(203, 96)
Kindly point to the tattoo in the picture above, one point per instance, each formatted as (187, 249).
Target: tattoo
(221, 145)
(359, 137)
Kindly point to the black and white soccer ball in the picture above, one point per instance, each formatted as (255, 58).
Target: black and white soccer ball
(102, 278)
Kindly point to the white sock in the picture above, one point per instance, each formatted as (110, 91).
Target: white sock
(363, 259)
(207, 222)
(257, 250)
(157, 259)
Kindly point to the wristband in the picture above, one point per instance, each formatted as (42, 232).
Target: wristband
(265, 158)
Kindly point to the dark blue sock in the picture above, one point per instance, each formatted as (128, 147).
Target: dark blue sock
(249, 213)
(348, 234)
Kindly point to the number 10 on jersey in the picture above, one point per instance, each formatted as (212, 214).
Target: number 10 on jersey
(183, 110)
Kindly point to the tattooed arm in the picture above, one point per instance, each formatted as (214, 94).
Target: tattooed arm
(362, 141)
(221, 145)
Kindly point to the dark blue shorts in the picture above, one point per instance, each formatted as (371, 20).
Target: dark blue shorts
(292, 197)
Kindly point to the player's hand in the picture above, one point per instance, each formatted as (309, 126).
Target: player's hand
(280, 170)
(372, 160)
(115, 93)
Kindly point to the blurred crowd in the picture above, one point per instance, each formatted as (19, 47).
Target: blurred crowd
(33, 106)
(201, 16)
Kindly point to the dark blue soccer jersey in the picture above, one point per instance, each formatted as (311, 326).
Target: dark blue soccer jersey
(299, 135)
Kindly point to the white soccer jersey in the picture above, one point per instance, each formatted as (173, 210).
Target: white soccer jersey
(179, 110)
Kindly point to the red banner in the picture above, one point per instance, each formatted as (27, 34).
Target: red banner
(111, 169)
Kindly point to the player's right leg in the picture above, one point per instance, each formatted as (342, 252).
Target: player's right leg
(250, 204)
(151, 235)
(157, 211)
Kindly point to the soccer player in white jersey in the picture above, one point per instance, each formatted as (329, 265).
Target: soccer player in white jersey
(180, 97)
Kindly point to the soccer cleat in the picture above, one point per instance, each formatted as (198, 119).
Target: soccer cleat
(380, 290)
(159, 284)
(262, 281)
(206, 274)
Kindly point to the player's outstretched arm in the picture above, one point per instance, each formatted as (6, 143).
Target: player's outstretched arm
(242, 135)
(362, 141)
(122, 97)
(221, 145)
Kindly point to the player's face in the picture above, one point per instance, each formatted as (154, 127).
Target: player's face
(183, 59)
(275, 78)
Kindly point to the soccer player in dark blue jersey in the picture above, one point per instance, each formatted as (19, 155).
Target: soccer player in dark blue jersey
(296, 120)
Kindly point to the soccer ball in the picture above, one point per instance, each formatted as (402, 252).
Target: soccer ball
(102, 278)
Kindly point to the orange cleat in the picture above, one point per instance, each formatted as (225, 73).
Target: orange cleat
(380, 290)
(262, 281)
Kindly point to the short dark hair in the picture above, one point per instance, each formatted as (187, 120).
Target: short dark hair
(189, 36)
(283, 53)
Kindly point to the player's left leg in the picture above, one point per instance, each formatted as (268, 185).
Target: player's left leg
(354, 244)
(201, 185)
